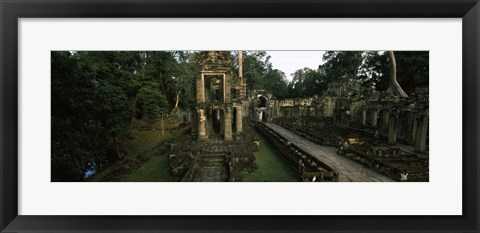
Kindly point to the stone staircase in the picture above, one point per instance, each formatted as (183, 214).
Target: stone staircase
(212, 165)
(212, 159)
(212, 168)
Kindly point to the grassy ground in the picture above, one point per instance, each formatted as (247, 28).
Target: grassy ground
(271, 166)
(144, 162)
(145, 140)
(154, 167)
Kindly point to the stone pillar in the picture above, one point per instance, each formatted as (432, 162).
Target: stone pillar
(364, 117)
(414, 129)
(200, 89)
(202, 124)
(239, 120)
(240, 66)
(392, 132)
(421, 135)
(222, 119)
(228, 125)
(374, 118)
(227, 89)
(385, 118)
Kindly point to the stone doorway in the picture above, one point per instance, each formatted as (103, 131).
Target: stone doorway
(262, 102)
(217, 116)
(234, 119)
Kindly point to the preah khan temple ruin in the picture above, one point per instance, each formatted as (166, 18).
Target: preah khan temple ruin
(233, 116)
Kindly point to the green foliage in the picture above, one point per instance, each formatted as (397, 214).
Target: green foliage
(183, 79)
(95, 95)
(276, 82)
(369, 68)
(256, 64)
(160, 68)
(342, 64)
(153, 167)
(150, 103)
(77, 132)
(412, 70)
(375, 71)
(114, 111)
(306, 83)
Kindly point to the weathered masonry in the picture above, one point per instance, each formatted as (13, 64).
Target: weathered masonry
(219, 95)
(217, 150)
(348, 105)
(384, 132)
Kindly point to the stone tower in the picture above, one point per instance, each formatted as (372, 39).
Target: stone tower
(219, 106)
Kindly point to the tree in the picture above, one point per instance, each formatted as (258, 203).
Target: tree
(160, 68)
(374, 70)
(394, 88)
(342, 64)
(307, 82)
(313, 83)
(299, 85)
(115, 113)
(90, 109)
(150, 103)
(184, 78)
(256, 64)
(74, 128)
(412, 69)
(276, 82)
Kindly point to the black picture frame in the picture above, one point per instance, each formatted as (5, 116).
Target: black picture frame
(11, 11)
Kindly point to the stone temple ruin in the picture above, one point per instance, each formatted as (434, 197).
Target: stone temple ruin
(219, 95)
(384, 136)
(381, 131)
(217, 149)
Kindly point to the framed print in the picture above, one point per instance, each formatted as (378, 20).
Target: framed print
(132, 116)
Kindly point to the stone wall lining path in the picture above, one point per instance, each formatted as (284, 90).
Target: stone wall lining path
(349, 170)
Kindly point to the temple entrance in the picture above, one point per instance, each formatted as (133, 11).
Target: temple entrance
(262, 108)
(234, 126)
(262, 102)
(217, 116)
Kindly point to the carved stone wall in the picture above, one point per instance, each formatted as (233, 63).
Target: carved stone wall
(377, 113)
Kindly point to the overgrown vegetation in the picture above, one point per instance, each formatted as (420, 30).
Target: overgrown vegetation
(271, 167)
(97, 96)
(146, 160)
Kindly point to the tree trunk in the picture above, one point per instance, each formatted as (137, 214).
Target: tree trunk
(178, 99)
(240, 66)
(395, 87)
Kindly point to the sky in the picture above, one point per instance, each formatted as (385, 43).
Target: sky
(290, 61)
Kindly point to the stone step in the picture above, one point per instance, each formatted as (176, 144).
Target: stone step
(213, 163)
(213, 159)
(212, 155)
